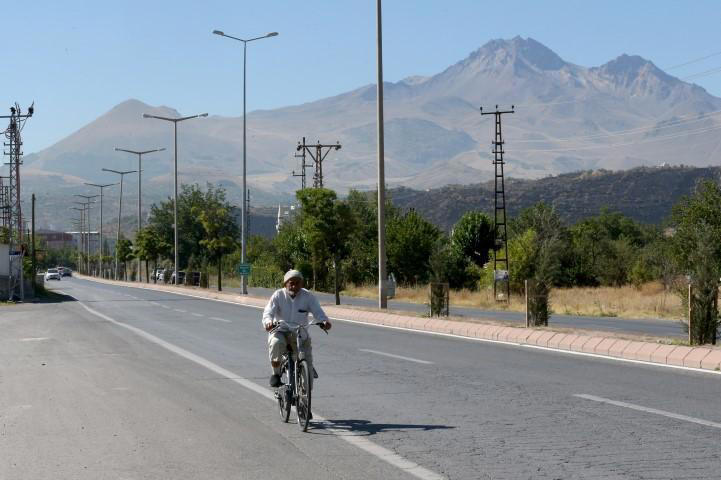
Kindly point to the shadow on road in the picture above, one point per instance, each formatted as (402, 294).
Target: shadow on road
(50, 296)
(366, 427)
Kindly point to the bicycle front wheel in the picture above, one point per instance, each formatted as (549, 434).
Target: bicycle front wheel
(284, 394)
(302, 403)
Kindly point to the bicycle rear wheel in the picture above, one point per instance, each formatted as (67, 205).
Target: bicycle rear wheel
(302, 403)
(284, 394)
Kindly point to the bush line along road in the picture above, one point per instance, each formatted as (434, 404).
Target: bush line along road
(129, 382)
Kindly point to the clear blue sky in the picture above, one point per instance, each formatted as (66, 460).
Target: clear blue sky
(77, 59)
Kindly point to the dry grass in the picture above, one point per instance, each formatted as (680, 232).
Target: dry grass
(649, 301)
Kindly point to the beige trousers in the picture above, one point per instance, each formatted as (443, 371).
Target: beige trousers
(278, 344)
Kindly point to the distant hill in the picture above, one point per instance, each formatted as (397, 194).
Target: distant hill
(622, 114)
(644, 194)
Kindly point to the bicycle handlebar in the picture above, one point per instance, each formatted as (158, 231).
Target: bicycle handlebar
(298, 327)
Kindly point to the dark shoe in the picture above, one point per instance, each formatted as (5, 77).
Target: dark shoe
(275, 381)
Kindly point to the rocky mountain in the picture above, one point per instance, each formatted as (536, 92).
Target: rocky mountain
(623, 114)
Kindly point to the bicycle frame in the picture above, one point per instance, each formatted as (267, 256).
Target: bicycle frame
(292, 360)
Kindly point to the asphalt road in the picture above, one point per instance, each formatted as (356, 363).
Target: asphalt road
(654, 327)
(129, 383)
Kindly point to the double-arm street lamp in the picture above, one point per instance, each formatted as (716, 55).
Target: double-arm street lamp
(120, 211)
(101, 187)
(81, 243)
(175, 195)
(88, 202)
(243, 233)
(140, 172)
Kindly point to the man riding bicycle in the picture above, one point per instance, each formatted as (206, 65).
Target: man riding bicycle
(289, 307)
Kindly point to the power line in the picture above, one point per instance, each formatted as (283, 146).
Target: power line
(693, 61)
(639, 142)
(703, 74)
(631, 131)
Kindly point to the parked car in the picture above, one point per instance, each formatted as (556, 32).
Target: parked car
(65, 271)
(181, 278)
(163, 274)
(52, 274)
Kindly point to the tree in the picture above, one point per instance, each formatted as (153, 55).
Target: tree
(124, 250)
(697, 221)
(410, 241)
(327, 224)
(189, 226)
(149, 246)
(220, 234)
(473, 236)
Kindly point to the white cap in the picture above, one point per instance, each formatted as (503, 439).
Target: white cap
(292, 274)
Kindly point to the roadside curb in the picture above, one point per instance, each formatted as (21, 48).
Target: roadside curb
(702, 358)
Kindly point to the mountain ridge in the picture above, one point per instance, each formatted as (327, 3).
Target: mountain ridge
(622, 114)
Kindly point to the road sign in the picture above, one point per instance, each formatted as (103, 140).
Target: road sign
(500, 275)
(243, 269)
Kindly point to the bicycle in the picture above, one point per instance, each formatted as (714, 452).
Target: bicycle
(295, 388)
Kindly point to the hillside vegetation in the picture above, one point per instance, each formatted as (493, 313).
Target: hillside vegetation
(645, 194)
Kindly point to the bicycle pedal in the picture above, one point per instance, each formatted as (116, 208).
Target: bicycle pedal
(315, 374)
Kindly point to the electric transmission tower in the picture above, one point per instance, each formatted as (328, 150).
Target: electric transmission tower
(303, 166)
(12, 196)
(321, 151)
(500, 258)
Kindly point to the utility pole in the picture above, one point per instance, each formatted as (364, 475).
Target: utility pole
(382, 298)
(317, 157)
(303, 166)
(14, 144)
(32, 241)
(500, 258)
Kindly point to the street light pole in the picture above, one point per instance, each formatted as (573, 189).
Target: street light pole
(120, 211)
(101, 187)
(175, 186)
(80, 240)
(140, 171)
(243, 233)
(88, 199)
(382, 299)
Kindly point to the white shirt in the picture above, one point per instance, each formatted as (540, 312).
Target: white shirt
(292, 311)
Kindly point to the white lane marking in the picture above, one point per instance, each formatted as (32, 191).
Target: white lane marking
(655, 411)
(197, 315)
(165, 306)
(425, 362)
(220, 319)
(33, 339)
(179, 310)
(363, 443)
(450, 335)
(155, 304)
